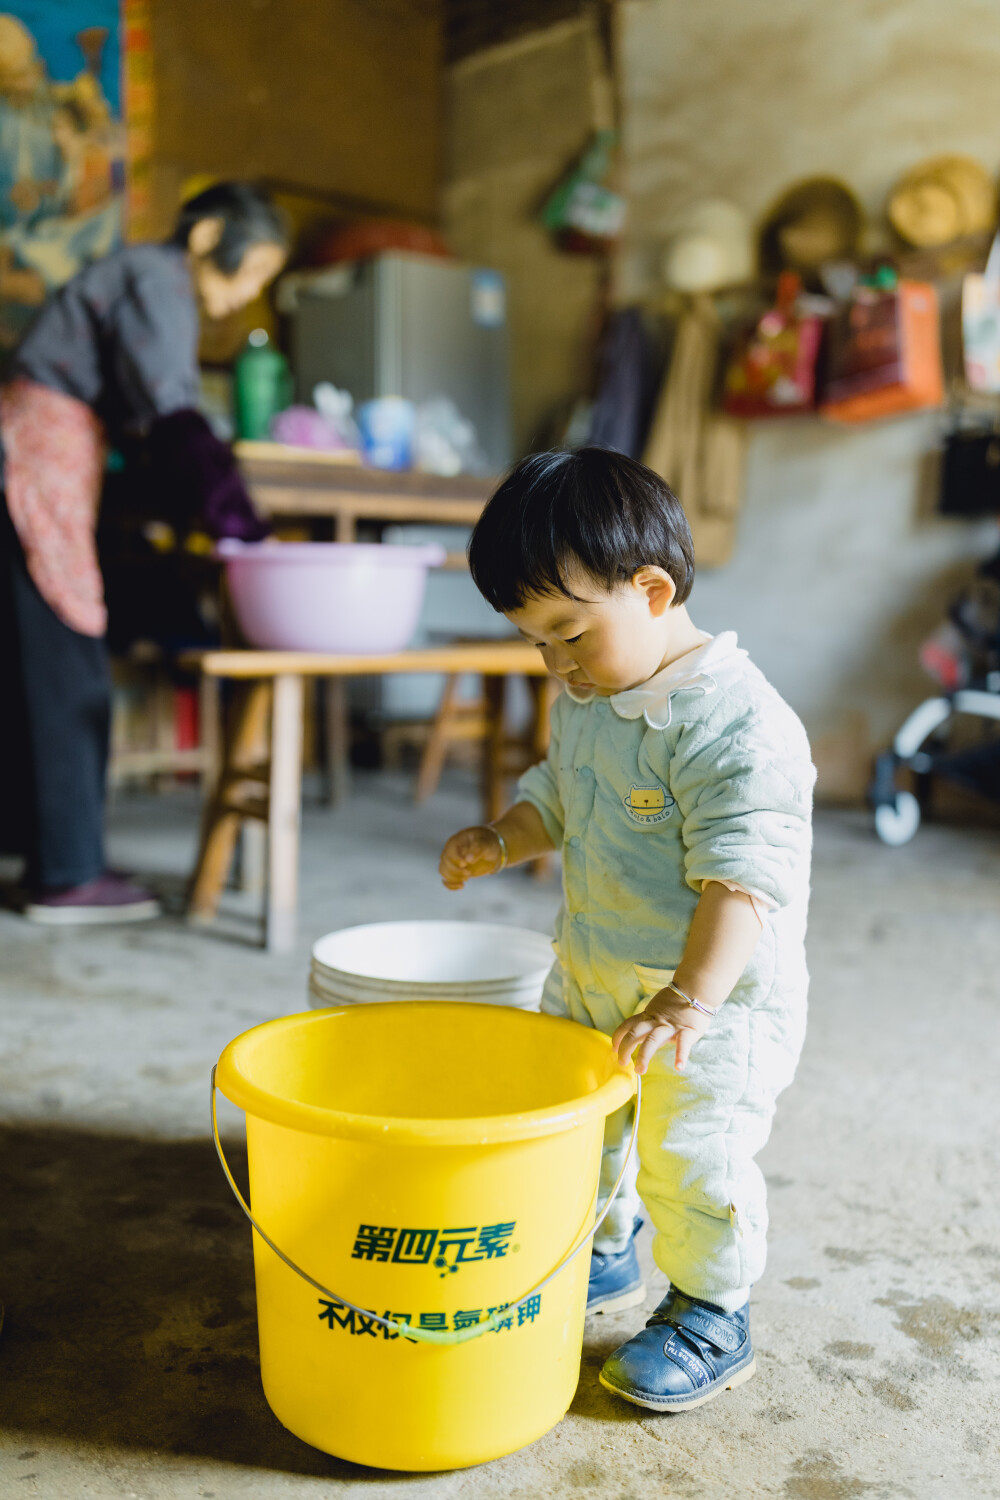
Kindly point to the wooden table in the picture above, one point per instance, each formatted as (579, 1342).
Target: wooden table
(261, 773)
(302, 484)
(296, 484)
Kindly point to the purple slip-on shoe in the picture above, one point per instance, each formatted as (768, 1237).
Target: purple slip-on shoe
(111, 897)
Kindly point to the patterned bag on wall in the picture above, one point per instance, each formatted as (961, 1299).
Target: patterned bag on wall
(773, 374)
(884, 354)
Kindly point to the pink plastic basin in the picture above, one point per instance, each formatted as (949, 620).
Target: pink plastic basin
(359, 597)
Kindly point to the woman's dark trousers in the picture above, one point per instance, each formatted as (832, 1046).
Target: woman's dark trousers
(55, 693)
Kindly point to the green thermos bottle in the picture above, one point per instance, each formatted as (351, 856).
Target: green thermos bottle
(262, 386)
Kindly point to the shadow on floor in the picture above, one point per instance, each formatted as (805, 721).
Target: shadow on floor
(131, 1318)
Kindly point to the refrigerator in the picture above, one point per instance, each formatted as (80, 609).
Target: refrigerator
(417, 326)
(410, 325)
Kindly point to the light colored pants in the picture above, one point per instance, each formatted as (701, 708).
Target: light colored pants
(699, 1132)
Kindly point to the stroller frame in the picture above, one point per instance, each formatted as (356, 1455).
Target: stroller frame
(898, 812)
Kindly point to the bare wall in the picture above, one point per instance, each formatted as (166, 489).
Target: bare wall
(841, 566)
(739, 99)
(518, 114)
(336, 97)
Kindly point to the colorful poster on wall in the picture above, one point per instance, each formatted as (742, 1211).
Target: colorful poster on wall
(137, 107)
(62, 148)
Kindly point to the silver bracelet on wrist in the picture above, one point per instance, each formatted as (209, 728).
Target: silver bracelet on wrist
(504, 855)
(706, 1010)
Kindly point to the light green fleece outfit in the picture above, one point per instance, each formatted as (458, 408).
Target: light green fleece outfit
(703, 773)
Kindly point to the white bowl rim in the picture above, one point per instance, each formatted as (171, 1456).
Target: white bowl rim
(385, 931)
(391, 554)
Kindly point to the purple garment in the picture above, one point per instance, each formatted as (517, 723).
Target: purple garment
(198, 479)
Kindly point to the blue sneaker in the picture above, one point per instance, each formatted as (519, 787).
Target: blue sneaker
(615, 1280)
(688, 1353)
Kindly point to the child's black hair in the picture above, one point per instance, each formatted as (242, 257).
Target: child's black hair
(592, 507)
(249, 217)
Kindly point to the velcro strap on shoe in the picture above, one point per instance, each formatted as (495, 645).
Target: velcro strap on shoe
(715, 1328)
(694, 1368)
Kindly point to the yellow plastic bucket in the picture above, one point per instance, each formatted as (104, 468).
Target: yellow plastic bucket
(423, 1176)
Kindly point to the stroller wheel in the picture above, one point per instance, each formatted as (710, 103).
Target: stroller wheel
(896, 822)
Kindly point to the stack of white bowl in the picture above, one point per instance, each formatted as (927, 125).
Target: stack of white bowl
(480, 962)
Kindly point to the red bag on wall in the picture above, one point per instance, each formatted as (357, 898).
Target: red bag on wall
(774, 373)
(884, 354)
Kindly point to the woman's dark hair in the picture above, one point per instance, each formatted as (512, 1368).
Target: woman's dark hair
(607, 514)
(249, 217)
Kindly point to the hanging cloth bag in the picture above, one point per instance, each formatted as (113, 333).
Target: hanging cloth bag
(884, 354)
(981, 324)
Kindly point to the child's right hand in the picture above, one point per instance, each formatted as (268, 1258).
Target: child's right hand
(474, 851)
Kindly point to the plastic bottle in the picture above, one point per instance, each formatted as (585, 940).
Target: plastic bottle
(262, 386)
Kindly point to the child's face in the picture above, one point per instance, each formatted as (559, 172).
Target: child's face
(608, 642)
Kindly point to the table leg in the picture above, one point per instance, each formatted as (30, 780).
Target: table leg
(214, 860)
(284, 814)
(494, 691)
(336, 739)
(223, 815)
(432, 760)
(209, 714)
(346, 526)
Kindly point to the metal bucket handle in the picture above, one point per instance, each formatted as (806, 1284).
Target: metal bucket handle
(430, 1335)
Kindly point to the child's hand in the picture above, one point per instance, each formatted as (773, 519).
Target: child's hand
(474, 851)
(665, 1019)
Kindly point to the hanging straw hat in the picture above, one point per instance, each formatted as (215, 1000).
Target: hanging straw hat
(711, 247)
(943, 199)
(813, 222)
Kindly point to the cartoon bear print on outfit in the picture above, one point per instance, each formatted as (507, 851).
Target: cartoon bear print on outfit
(648, 804)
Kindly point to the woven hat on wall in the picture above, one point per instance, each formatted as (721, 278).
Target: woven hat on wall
(813, 222)
(943, 199)
(710, 247)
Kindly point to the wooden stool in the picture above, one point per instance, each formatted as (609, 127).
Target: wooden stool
(260, 780)
(458, 721)
(154, 752)
(261, 774)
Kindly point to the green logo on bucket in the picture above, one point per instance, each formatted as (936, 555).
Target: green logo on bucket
(336, 1315)
(447, 1249)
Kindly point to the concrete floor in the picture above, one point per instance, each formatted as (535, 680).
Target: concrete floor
(128, 1365)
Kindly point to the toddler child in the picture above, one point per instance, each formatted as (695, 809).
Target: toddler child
(678, 788)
